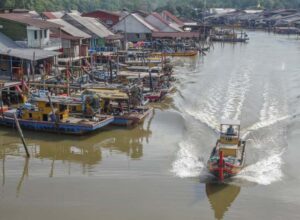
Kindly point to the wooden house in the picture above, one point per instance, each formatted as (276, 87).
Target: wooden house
(135, 28)
(29, 32)
(90, 26)
(75, 42)
(17, 63)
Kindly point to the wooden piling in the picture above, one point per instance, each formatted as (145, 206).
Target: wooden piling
(1, 101)
(21, 135)
(110, 71)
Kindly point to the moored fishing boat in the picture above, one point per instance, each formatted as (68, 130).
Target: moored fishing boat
(134, 117)
(125, 108)
(53, 116)
(189, 53)
(228, 156)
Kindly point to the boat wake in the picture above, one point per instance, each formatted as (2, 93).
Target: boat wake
(227, 99)
(236, 94)
(187, 164)
(263, 124)
(265, 171)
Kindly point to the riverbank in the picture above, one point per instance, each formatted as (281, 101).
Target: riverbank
(156, 170)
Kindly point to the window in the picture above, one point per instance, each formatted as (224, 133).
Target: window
(41, 33)
(45, 33)
(30, 115)
(35, 35)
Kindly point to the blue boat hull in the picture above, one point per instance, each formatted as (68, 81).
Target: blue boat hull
(65, 128)
(119, 121)
(131, 120)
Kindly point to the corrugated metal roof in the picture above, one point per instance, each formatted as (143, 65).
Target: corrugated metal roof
(142, 20)
(70, 29)
(10, 48)
(172, 17)
(159, 17)
(62, 35)
(102, 11)
(7, 42)
(175, 27)
(49, 15)
(106, 32)
(27, 54)
(92, 24)
(171, 25)
(25, 19)
(58, 14)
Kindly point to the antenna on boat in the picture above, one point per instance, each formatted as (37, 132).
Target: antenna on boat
(221, 164)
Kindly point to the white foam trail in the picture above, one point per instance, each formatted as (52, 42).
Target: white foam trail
(206, 110)
(205, 118)
(263, 124)
(236, 93)
(265, 171)
(186, 163)
(270, 113)
(268, 169)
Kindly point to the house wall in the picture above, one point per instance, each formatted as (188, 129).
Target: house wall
(37, 37)
(133, 37)
(5, 67)
(13, 30)
(130, 25)
(70, 48)
(21, 32)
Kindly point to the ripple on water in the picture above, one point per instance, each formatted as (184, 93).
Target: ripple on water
(227, 98)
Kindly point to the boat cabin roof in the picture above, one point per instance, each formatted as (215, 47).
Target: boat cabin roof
(231, 122)
(57, 99)
(138, 74)
(113, 94)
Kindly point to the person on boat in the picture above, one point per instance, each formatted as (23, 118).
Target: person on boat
(230, 131)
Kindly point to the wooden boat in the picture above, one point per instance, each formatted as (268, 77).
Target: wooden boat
(144, 62)
(228, 156)
(229, 39)
(189, 53)
(134, 117)
(126, 110)
(154, 96)
(229, 36)
(53, 116)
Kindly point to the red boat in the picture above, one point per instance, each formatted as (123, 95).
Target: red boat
(154, 96)
(228, 156)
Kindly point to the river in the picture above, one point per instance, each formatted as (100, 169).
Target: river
(157, 170)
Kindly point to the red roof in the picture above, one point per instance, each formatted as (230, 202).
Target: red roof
(102, 11)
(175, 34)
(63, 35)
(49, 15)
(25, 19)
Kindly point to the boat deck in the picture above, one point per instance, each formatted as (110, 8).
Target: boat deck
(239, 149)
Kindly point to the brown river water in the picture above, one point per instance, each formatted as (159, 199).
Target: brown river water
(157, 170)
